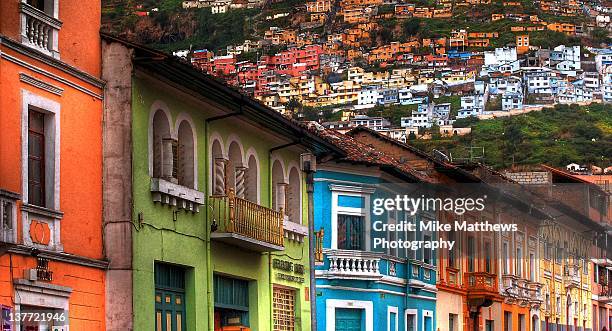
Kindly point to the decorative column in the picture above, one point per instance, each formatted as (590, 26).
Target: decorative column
(240, 181)
(281, 197)
(219, 176)
(169, 159)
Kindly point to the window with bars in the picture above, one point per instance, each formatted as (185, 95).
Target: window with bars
(350, 232)
(36, 158)
(284, 309)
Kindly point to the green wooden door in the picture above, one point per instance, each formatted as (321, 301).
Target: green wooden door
(169, 311)
(169, 298)
(349, 319)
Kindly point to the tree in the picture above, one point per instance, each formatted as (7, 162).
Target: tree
(600, 36)
(310, 114)
(435, 131)
(411, 27)
(587, 131)
(465, 122)
(293, 105)
(512, 138)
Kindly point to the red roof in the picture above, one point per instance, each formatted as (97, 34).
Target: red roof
(358, 152)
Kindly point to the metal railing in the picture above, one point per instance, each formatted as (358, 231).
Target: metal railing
(240, 216)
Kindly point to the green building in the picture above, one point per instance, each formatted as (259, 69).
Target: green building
(206, 208)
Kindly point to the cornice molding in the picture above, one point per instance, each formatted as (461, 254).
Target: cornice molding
(25, 78)
(60, 257)
(51, 61)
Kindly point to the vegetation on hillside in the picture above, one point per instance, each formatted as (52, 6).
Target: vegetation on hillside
(555, 136)
(172, 27)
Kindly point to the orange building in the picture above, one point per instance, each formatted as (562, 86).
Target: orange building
(567, 28)
(522, 43)
(51, 257)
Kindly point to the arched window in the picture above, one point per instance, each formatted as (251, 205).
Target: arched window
(236, 170)
(293, 196)
(278, 186)
(186, 157)
(252, 180)
(163, 145)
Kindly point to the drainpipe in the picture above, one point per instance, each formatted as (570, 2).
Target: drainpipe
(209, 294)
(312, 247)
(271, 291)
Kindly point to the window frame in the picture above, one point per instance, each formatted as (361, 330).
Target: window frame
(353, 191)
(51, 110)
(506, 257)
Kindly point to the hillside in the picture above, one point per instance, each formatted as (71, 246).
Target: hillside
(555, 136)
(166, 25)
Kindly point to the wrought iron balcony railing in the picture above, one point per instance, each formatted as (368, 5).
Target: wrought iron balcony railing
(245, 223)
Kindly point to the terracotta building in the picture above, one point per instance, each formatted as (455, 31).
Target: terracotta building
(51, 164)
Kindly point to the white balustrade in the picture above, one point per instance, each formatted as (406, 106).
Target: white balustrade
(39, 30)
(351, 263)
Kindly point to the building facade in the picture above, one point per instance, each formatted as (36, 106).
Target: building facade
(218, 238)
(360, 284)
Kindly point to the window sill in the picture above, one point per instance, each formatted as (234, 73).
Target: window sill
(166, 192)
(294, 231)
(42, 211)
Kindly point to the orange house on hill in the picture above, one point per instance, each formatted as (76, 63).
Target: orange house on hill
(51, 257)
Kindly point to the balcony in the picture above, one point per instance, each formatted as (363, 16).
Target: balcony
(480, 286)
(8, 218)
(604, 293)
(245, 224)
(353, 265)
(521, 291)
(452, 276)
(571, 277)
(39, 30)
(535, 294)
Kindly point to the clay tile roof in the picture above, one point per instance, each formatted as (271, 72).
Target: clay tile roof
(358, 152)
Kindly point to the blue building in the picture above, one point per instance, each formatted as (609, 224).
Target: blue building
(360, 284)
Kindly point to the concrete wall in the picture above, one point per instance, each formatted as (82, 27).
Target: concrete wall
(449, 303)
(117, 188)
